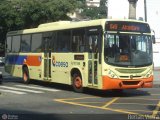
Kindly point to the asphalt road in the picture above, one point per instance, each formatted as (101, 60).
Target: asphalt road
(47, 101)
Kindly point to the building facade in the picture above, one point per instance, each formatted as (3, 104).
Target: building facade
(93, 3)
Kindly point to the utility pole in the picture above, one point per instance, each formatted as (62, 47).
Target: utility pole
(145, 10)
(132, 9)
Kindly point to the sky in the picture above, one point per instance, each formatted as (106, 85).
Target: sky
(120, 9)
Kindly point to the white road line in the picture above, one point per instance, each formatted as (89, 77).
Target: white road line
(20, 89)
(38, 88)
(11, 91)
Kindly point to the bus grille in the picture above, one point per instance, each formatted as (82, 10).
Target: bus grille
(128, 77)
(130, 82)
(131, 71)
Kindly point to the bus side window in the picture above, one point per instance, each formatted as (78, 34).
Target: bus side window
(16, 43)
(48, 42)
(26, 43)
(63, 41)
(74, 44)
(36, 43)
(78, 43)
(93, 43)
(9, 44)
(93, 39)
(53, 41)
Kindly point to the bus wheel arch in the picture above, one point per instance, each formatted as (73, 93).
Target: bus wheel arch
(77, 82)
(25, 74)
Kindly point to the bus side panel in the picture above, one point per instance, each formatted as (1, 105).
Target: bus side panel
(15, 62)
(62, 64)
(34, 63)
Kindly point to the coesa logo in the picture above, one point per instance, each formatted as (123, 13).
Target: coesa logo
(58, 63)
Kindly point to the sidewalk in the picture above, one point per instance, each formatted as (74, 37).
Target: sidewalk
(156, 82)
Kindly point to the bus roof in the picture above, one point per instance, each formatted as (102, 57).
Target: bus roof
(61, 25)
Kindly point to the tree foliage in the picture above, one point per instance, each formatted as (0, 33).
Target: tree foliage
(21, 14)
(95, 12)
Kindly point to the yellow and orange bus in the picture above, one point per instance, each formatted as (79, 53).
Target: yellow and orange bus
(102, 54)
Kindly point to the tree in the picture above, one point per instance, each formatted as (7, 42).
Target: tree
(36, 12)
(22, 14)
(95, 12)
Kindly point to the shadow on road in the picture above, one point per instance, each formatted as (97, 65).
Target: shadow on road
(6, 114)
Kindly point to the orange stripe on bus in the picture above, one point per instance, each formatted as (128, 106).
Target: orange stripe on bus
(33, 60)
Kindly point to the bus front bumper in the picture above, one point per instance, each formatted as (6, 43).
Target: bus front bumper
(112, 83)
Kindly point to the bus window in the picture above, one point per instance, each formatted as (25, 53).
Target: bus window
(63, 41)
(93, 39)
(49, 40)
(9, 44)
(16, 44)
(36, 43)
(26, 43)
(124, 44)
(93, 42)
(78, 43)
(53, 41)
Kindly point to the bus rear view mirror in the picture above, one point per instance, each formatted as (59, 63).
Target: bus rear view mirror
(153, 39)
(153, 36)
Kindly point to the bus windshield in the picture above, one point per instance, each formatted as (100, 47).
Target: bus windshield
(127, 50)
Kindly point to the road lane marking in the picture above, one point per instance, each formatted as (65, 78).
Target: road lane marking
(79, 98)
(125, 111)
(19, 89)
(38, 88)
(103, 108)
(11, 91)
(91, 106)
(155, 112)
(91, 102)
(110, 102)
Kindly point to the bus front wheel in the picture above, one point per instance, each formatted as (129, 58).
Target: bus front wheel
(77, 83)
(26, 79)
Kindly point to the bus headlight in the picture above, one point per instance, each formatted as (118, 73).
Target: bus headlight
(149, 73)
(112, 74)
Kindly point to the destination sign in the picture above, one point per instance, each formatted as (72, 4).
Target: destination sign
(126, 26)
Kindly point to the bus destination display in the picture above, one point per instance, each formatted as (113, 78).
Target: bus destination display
(127, 26)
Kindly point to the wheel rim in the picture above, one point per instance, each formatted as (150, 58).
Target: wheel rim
(25, 77)
(78, 82)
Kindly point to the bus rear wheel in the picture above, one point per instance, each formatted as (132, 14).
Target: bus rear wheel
(77, 83)
(26, 78)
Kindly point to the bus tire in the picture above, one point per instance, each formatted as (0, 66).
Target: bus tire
(77, 83)
(26, 78)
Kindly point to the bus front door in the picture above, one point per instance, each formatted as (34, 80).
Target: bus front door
(93, 67)
(47, 58)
